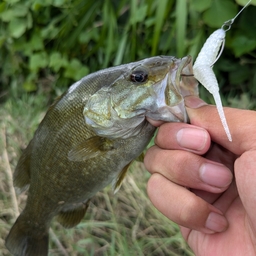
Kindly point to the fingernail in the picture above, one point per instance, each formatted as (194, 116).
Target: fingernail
(216, 222)
(194, 102)
(216, 175)
(192, 138)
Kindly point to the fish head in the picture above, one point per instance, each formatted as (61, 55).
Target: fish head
(154, 88)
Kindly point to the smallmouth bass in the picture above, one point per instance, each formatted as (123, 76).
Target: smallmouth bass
(89, 137)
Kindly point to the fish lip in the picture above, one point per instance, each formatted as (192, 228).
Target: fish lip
(182, 64)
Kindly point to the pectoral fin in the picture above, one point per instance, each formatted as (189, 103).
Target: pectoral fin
(69, 219)
(90, 148)
(119, 180)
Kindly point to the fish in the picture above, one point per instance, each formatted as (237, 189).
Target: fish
(88, 139)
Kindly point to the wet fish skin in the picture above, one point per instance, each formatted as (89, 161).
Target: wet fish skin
(70, 157)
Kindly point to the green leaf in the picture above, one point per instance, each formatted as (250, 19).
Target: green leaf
(57, 61)
(243, 101)
(200, 5)
(59, 2)
(247, 23)
(7, 16)
(37, 61)
(219, 12)
(29, 86)
(2, 40)
(196, 44)
(12, 1)
(121, 50)
(36, 42)
(2, 7)
(36, 6)
(161, 8)
(109, 21)
(29, 21)
(87, 36)
(50, 31)
(17, 27)
(239, 75)
(139, 15)
(181, 22)
(75, 70)
(39, 3)
(19, 10)
(242, 44)
(244, 2)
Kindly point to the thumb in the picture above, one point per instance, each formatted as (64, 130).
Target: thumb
(241, 123)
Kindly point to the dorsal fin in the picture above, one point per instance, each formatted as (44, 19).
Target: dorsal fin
(56, 100)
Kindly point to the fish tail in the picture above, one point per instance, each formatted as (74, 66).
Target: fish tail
(26, 241)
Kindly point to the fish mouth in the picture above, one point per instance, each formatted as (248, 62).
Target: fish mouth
(169, 93)
(180, 83)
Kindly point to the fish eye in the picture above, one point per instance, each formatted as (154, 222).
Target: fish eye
(139, 76)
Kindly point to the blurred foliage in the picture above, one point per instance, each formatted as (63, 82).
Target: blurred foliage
(52, 43)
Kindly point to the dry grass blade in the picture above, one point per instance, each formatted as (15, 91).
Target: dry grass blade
(58, 243)
(8, 171)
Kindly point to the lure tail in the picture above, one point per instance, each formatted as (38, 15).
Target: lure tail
(205, 75)
(25, 241)
(217, 100)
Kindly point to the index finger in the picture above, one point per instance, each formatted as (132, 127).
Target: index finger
(241, 124)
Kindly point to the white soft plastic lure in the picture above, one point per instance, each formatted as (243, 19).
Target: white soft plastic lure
(203, 71)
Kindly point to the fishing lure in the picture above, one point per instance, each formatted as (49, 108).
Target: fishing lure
(203, 72)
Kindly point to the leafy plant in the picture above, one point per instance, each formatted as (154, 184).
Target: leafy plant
(63, 40)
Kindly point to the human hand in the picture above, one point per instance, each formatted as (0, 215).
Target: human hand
(205, 183)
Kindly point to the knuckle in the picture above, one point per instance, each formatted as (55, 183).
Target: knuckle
(194, 212)
(186, 214)
(164, 134)
(153, 186)
(149, 157)
(154, 159)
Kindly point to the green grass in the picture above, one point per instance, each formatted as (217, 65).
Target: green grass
(122, 224)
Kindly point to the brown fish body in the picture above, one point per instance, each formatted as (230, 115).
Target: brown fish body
(70, 158)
